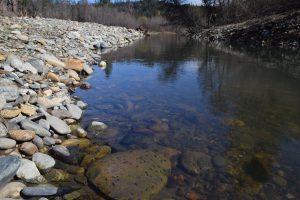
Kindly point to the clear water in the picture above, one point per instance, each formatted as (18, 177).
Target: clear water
(241, 108)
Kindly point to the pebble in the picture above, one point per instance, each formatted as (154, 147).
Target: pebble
(87, 69)
(74, 64)
(12, 190)
(43, 161)
(2, 102)
(280, 181)
(58, 125)
(28, 110)
(53, 77)
(28, 171)
(37, 191)
(219, 161)
(43, 123)
(60, 152)
(39, 130)
(28, 148)
(97, 126)
(10, 113)
(75, 111)
(6, 143)
(3, 130)
(61, 113)
(81, 105)
(21, 135)
(49, 141)
(8, 168)
(38, 142)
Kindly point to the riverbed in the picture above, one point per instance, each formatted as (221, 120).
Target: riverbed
(231, 115)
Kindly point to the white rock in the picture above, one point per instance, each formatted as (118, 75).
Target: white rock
(27, 66)
(12, 190)
(43, 161)
(28, 171)
(75, 111)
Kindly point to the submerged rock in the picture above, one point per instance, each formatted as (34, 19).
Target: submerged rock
(137, 174)
(45, 190)
(43, 161)
(195, 162)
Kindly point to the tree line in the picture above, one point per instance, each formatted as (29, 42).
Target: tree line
(158, 15)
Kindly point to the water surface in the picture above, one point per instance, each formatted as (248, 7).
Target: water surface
(238, 108)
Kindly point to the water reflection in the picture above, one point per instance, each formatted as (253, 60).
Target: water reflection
(235, 117)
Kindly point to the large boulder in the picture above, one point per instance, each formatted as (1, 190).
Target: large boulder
(137, 174)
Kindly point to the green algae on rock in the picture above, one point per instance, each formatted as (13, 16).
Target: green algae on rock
(136, 174)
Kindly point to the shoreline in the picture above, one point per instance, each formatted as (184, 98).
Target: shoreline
(41, 62)
(281, 30)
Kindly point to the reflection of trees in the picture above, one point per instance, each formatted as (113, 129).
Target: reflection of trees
(259, 108)
(170, 56)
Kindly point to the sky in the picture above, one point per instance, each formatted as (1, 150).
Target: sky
(188, 1)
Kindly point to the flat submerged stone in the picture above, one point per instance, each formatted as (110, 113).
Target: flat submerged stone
(137, 174)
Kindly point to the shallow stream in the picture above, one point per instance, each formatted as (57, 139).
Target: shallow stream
(234, 115)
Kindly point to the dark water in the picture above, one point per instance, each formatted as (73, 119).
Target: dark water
(240, 109)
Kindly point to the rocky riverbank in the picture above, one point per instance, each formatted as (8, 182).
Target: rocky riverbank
(277, 30)
(43, 150)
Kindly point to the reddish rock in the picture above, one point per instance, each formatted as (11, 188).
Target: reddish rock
(53, 77)
(74, 64)
(192, 195)
(28, 148)
(21, 135)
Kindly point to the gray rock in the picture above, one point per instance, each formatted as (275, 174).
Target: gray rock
(195, 163)
(49, 141)
(38, 142)
(6, 143)
(2, 102)
(61, 113)
(8, 168)
(10, 93)
(37, 191)
(17, 120)
(3, 130)
(30, 125)
(43, 161)
(50, 103)
(60, 152)
(97, 126)
(15, 62)
(16, 78)
(81, 104)
(39, 65)
(87, 69)
(58, 125)
(219, 161)
(29, 172)
(75, 111)
(28, 67)
(8, 68)
(280, 181)
(43, 123)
